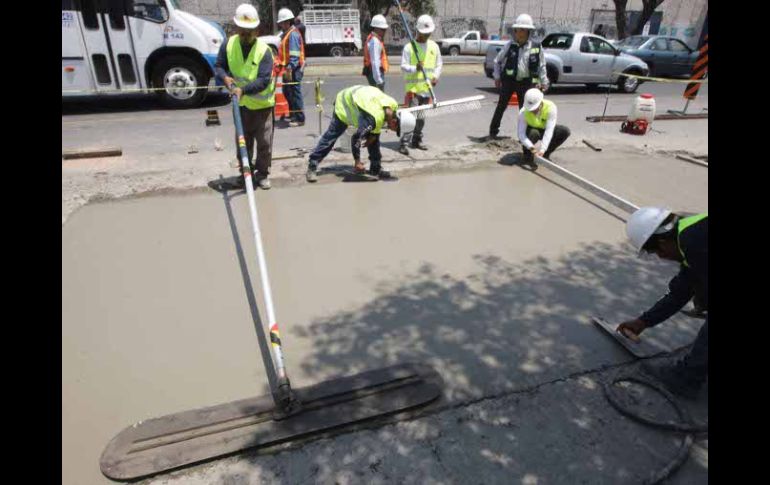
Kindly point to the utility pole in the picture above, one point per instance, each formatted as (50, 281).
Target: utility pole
(503, 4)
(275, 16)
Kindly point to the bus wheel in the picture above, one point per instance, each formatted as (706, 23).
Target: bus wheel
(180, 76)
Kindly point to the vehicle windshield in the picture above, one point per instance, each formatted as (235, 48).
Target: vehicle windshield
(633, 41)
(558, 41)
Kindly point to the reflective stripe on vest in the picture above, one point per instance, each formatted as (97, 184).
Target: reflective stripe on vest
(284, 54)
(245, 72)
(542, 116)
(352, 100)
(383, 55)
(684, 224)
(415, 81)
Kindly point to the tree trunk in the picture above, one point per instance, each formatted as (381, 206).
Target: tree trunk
(648, 8)
(620, 17)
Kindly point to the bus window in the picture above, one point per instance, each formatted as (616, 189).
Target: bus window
(88, 9)
(152, 10)
(117, 14)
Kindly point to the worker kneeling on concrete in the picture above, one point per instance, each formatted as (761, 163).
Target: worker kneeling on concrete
(537, 122)
(683, 239)
(367, 109)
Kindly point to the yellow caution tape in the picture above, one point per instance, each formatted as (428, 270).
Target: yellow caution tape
(663, 79)
(144, 90)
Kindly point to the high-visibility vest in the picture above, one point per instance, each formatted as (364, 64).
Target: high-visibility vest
(245, 71)
(684, 224)
(511, 67)
(284, 53)
(350, 101)
(383, 55)
(539, 120)
(415, 81)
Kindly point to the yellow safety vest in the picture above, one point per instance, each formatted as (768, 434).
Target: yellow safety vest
(350, 101)
(539, 120)
(684, 224)
(415, 81)
(245, 72)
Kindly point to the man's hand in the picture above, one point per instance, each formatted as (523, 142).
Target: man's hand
(419, 65)
(632, 329)
(539, 153)
(229, 81)
(434, 81)
(359, 167)
(498, 83)
(371, 140)
(238, 92)
(287, 76)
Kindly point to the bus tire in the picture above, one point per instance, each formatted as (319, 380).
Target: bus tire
(180, 71)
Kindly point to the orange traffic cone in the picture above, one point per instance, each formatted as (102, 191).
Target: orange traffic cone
(514, 101)
(281, 105)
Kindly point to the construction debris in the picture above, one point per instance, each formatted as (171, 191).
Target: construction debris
(92, 153)
(590, 145)
(692, 160)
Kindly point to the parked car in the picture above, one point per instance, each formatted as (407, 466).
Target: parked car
(583, 58)
(665, 56)
(471, 42)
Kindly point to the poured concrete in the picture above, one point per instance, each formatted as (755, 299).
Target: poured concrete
(491, 276)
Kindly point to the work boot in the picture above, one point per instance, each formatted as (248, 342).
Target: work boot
(381, 174)
(311, 175)
(528, 160)
(419, 145)
(673, 377)
(294, 124)
(403, 150)
(264, 183)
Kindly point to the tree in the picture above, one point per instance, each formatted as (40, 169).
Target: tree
(414, 7)
(648, 8)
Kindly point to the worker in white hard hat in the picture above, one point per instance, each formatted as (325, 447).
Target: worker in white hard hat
(519, 66)
(537, 122)
(245, 66)
(291, 60)
(368, 110)
(375, 57)
(427, 56)
(683, 239)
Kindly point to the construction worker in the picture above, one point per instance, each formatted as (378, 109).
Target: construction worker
(375, 57)
(245, 65)
(367, 109)
(416, 86)
(291, 58)
(519, 66)
(537, 122)
(684, 239)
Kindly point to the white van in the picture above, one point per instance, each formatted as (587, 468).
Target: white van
(118, 46)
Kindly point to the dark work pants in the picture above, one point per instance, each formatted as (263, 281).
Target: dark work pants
(506, 91)
(696, 363)
(333, 132)
(416, 135)
(293, 93)
(257, 127)
(560, 135)
(372, 82)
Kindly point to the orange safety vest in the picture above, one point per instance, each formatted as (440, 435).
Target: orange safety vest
(383, 55)
(283, 53)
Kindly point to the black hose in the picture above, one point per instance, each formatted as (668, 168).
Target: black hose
(685, 425)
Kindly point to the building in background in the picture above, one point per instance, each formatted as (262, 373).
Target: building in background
(677, 18)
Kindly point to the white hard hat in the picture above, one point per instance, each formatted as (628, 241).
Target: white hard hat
(246, 16)
(284, 14)
(425, 24)
(379, 22)
(524, 21)
(644, 223)
(406, 122)
(532, 99)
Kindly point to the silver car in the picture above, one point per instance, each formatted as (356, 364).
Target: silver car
(583, 58)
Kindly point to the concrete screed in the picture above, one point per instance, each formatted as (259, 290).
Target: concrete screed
(490, 275)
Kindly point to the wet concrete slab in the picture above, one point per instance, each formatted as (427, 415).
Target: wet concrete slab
(491, 276)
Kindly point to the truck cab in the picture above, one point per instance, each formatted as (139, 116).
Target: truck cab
(120, 46)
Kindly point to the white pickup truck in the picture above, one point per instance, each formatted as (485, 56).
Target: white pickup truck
(470, 42)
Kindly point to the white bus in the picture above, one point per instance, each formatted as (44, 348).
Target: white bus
(118, 46)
